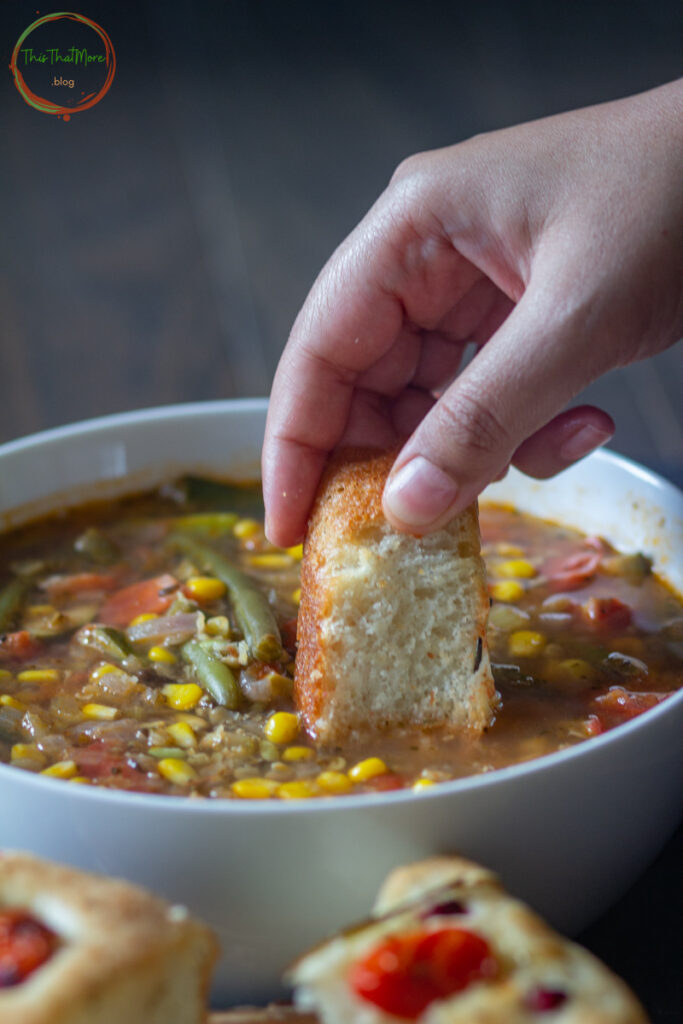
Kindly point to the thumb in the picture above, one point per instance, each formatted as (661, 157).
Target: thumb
(501, 409)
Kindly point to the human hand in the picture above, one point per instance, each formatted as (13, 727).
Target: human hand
(556, 246)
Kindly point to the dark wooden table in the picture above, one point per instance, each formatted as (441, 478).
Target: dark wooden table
(157, 247)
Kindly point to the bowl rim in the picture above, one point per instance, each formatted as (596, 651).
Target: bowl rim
(592, 747)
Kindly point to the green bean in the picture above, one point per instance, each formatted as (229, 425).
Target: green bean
(94, 545)
(220, 496)
(11, 599)
(109, 642)
(254, 614)
(206, 524)
(167, 752)
(213, 675)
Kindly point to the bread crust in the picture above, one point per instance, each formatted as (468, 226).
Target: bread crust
(117, 944)
(530, 954)
(347, 508)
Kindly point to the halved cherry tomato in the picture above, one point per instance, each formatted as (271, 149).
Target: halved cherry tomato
(403, 974)
(606, 613)
(25, 944)
(19, 646)
(153, 596)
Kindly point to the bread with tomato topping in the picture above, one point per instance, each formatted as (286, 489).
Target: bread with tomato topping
(392, 627)
(447, 945)
(117, 954)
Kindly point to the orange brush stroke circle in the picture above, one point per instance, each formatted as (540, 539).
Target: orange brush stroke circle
(47, 106)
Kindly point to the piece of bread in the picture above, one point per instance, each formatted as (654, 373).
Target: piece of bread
(446, 923)
(392, 627)
(121, 956)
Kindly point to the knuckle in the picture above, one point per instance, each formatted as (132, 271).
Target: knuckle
(473, 426)
(415, 170)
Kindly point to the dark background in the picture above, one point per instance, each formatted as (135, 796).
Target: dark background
(157, 246)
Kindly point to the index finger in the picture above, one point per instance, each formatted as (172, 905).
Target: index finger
(392, 269)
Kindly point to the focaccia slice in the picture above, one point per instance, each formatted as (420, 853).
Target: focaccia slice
(447, 945)
(392, 627)
(109, 952)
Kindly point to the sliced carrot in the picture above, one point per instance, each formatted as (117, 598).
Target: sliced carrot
(149, 596)
(18, 646)
(79, 583)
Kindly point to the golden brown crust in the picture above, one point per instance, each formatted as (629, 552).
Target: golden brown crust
(111, 934)
(348, 506)
(532, 958)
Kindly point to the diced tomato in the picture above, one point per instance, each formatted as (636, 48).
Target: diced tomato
(288, 631)
(149, 596)
(385, 782)
(100, 761)
(80, 583)
(405, 973)
(594, 726)
(606, 613)
(621, 705)
(19, 646)
(25, 944)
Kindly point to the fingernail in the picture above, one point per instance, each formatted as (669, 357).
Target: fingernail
(585, 440)
(419, 493)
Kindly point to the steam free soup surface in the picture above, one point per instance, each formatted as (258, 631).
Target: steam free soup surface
(149, 645)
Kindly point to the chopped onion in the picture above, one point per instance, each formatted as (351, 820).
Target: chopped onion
(174, 629)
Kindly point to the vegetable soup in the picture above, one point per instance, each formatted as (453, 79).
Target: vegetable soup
(148, 645)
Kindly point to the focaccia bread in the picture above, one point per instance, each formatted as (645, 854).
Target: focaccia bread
(392, 627)
(77, 948)
(447, 945)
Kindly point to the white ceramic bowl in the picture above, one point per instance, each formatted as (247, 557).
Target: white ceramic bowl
(568, 832)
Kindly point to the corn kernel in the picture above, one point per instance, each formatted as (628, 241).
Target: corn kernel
(217, 625)
(516, 567)
(102, 670)
(282, 727)
(26, 750)
(4, 675)
(61, 770)
(271, 560)
(506, 590)
(297, 754)
(38, 675)
(102, 711)
(182, 696)
(81, 780)
(183, 734)
(144, 617)
(180, 773)
(37, 610)
(509, 550)
(421, 784)
(245, 529)
(161, 654)
(11, 702)
(296, 596)
(334, 782)
(301, 790)
(205, 588)
(525, 643)
(297, 552)
(367, 769)
(254, 789)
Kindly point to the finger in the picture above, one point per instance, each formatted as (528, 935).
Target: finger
(567, 438)
(393, 270)
(531, 367)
